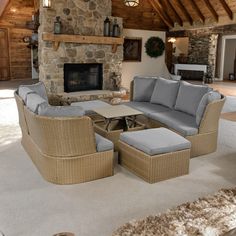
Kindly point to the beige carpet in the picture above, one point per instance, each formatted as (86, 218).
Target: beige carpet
(30, 206)
(209, 216)
(229, 116)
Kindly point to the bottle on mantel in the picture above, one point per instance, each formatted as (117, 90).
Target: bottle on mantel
(107, 25)
(57, 25)
(116, 29)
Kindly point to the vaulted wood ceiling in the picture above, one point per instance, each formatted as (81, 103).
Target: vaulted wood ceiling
(165, 14)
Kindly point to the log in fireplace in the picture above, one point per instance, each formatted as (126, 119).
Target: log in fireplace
(83, 77)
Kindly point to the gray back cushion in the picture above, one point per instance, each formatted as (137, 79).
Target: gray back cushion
(206, 99)
(23, 92)
(165, 92)
(189, 97)
(59, 111)
(33, 101)
(38, 88)
(143, 88)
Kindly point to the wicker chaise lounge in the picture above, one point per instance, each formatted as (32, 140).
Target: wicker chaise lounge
(65, 150)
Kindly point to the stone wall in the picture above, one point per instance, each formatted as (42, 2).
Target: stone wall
(81, 17)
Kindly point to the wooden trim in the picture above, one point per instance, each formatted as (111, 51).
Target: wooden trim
(160, 13)
(57, 39)
(163, 8)
(183, 9)
(3, 7)
(227, 9)
(196, 8)
(212, 10)
(180, 22)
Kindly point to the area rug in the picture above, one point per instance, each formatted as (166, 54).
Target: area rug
(209, 216)
(229, 116)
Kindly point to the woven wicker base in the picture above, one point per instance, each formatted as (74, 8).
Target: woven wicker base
(69, 170)
(154, 168)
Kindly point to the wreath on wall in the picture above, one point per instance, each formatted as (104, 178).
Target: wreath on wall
(154, 47)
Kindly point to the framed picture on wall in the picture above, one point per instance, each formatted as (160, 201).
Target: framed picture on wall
(132, 49)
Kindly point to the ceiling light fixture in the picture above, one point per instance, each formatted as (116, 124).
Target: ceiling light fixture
(47, 3)
(131, 3)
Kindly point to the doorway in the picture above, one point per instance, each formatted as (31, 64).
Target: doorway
(4, 55)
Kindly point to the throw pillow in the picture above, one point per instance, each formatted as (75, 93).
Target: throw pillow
(33, 101)
(189, 97)
(23, 92)
(38, 88)
(206, 99)
(143, 88)
(165, 92)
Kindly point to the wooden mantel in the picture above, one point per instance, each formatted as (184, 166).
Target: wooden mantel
(58, 38)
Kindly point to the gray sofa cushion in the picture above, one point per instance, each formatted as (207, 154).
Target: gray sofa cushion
(33, 101)
(39, 88)
(155, 141)
(23, 92)
(59, 111)
(143, 88)
(147, 107)
(189, 97)
(103, 144)
(88, 106)
(183, 123)
(206, 99)
(165, 92)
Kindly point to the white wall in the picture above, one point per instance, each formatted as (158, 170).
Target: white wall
(148, 66)
(230, 51)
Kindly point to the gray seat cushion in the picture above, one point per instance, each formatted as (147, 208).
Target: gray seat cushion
(189, 97)
(147, 107)
(59, 111)
(33, 102)
(89, 106)
(165, 92)
(155, 141)
(103, 144)
(183, 123)
(143, 88)
(206, 99)
(38, 88)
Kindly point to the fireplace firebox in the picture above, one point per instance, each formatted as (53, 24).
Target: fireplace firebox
(83, 77)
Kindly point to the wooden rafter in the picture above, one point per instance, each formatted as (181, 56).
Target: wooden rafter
(163, 8)
(227, 9)
(179, 20)
(212, 10)
(196, 8)
(160, 13)
(183, 9)
(3, 5)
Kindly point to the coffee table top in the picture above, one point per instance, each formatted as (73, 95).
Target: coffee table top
(117, 111)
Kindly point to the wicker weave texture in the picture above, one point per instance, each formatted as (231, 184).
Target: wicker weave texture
(63, 149)
(154, 168)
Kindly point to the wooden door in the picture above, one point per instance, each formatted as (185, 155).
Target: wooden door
(4, 55)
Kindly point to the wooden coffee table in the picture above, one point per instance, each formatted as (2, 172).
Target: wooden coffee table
(121, 112)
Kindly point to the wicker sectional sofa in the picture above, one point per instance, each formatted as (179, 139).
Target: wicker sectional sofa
(192, 111)
(61, 143)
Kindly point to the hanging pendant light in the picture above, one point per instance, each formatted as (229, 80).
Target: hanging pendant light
(47, 3)
(131, 3)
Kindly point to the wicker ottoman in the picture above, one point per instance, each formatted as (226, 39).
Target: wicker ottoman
(154, 154)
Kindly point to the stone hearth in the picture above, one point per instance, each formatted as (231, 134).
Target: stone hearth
(81, 17)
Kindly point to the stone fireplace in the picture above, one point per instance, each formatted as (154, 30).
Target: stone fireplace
(78, 17)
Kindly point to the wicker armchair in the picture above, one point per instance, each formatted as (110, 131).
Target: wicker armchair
(63, 149)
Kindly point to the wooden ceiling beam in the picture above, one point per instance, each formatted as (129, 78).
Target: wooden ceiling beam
(227, 9)
(163, 8)
(3, 5)
(160, 13)
(183, 9)
(212, 10)
(196, 8)
(178, 18)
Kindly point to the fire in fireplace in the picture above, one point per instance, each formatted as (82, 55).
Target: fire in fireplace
(83, 77)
